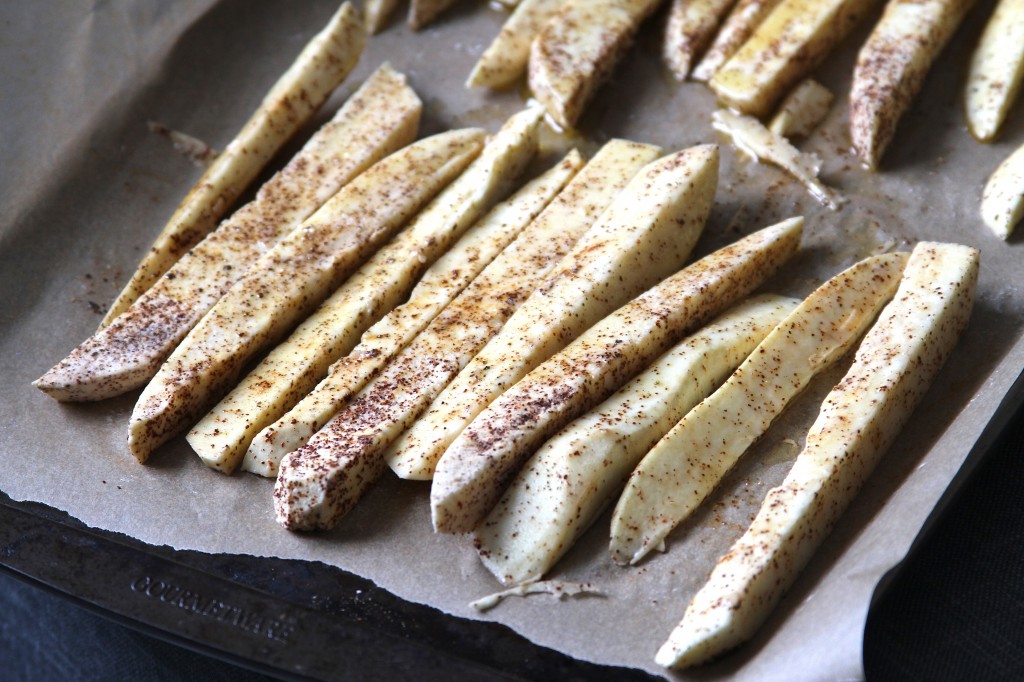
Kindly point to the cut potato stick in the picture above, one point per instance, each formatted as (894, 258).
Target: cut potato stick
(382, 116)
(859, 419)
(577, 51)
(741, 23)
(686, 465)
(691, 26)
(317, 484)
(892, 65)
(286, 283)
(443, 282)
(789, 43)
(479, 464)
(1002, 202)
(997, 69)
(504, 61)
(319, 68)
(377, 14)
(646, 234)
(802, 110)
(575, 475)
(752, 138)
(423, 12)
(294, 367)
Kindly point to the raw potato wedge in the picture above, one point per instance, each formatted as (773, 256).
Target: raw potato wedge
(581, 470)
(802, 110)
(377, 14)
(479, 464)
(577, 51)
(443, 282)
(321, 66)
(319, 483)
(859, 419)
(381, 117)
(753, 139)
(789, 43)
(892, 65)
(690, 28)
(285, 284)
(505, 59)
(741, 23)
(996, 71)
(645, 235)
(686, 465)
(422, 12)
(288, 373)
(1002, 202)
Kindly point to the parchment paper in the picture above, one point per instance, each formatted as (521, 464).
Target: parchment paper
(85, 188)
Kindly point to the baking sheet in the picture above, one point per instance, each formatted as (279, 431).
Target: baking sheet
(86, 187)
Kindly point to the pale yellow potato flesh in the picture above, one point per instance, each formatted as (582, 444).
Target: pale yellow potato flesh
(578, 49)
(686, 465)
(859, 419)
(504, 61)
(321, 66)
(802, 110)
(423, 12)
(320, 482)
(1002, 201)
(741, 23)
(294, 367)
(291, 279)
(691, 26)
(996, 71)
(576, 474)
(892, 65)
(377, 14)
(646, 234)
(381, 117)
(794, 38)
(443, 282)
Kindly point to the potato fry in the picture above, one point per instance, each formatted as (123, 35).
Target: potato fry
(892, 65)
(321, 66)
(382, 116)
(444, 281)
(691, 26)
(377, 14)
(1002, 202)
(997, 69)
(505, 59)
(859, 419)
(286, 283)
(802, 110)
(741, 23)
(686, 465)
(288, 373)
(789, 43)
(423, 12)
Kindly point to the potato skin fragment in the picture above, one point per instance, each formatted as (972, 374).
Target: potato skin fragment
(893, 368)
(1002, 201)
(892, 65)
(505, 59)
(321, 66)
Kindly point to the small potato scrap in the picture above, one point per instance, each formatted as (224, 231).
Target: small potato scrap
(423, 12)
(377, 14)
(686, 465)
(691, 26)
(321, 66)
(802, 110)
(1002, 202)
(741, 23)
(789, 43)
(505, 59)
(859, 419)
(997, 69)
(892, 65)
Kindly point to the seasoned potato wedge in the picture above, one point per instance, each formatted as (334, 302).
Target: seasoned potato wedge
(862, 415)
(291, 279)
(505, 59)
(891, 67)
(581, 470)
(422, 12)
(691, 26)
(741, 23)
(997, 69)
(377, 14)
(324, 63)
(578, 49)
(444, 281)
(802, 110)
(1002, 202)
(317, 484)
(382, 116)
(686, 465)
(295, 366)
(790, 42)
